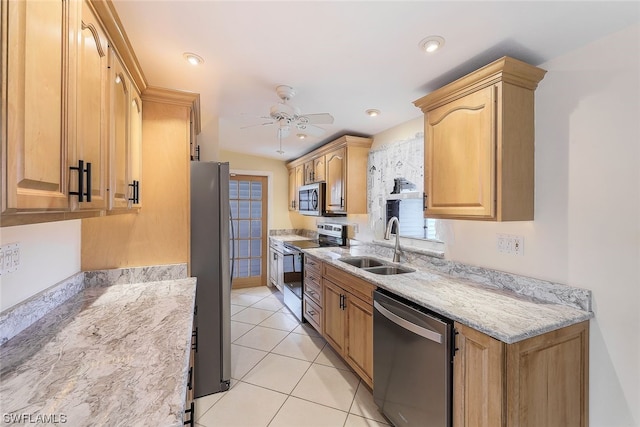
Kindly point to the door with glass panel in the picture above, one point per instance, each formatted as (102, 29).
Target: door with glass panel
(248, 242)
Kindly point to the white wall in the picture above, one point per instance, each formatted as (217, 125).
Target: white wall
(586, 231)
(49, 253)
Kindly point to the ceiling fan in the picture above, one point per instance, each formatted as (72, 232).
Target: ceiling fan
(288, 116)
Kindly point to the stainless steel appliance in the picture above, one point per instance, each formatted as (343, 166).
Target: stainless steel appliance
(210, 263)
(328, 235)
(412, 362)
(311, 199)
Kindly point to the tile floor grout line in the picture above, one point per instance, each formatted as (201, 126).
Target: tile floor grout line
(289, 395)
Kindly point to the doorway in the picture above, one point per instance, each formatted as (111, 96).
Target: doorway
(248, 244)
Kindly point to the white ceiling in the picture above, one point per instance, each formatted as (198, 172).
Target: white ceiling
(342, 57)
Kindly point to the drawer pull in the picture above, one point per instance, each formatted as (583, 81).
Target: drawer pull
(312, 312)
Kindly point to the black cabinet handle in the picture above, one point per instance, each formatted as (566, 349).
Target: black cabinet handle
(194, 340)
(196, 156)
(189, 385)
(191, 411)
(82, 170)
(135, 192)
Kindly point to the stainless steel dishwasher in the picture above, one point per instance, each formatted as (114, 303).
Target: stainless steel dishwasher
(412, 362)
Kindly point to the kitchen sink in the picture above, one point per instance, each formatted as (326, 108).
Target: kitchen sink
(374, 265)
(387, 270)
(361, 261)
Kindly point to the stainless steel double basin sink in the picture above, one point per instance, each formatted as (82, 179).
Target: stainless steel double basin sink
(374, 265)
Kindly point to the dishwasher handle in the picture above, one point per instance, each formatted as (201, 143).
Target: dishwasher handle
(404, 323)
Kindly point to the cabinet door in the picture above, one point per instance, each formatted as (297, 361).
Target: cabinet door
(334, 317)
(135, 145)
(336, 163)
(460, 157)
(319, 172)
(478, 380)
(308, 172)
(273, 267)
(119, 135)
(34, 101)
(359, 349)
(293, 189)
(91, 115)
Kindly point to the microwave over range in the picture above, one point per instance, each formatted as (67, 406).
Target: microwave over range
(311, 199)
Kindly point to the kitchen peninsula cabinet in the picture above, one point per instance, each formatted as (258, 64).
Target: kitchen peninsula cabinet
(348, 319)
(540, 381)
(479, 144)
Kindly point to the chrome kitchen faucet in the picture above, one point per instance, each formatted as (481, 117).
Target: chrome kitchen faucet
(387, 236)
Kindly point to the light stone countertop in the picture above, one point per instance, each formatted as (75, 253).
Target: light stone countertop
(500, 313)
(109, 355)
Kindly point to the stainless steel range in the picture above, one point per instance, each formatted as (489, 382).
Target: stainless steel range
(328, 235)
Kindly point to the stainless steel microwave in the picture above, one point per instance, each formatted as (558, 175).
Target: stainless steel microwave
(311, 199)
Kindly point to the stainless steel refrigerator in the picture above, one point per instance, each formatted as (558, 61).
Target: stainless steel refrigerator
(210, 264)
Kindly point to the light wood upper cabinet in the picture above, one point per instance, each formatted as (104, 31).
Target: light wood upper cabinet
(71, 115)
(33, 104)
(314, 170)
(342, 164)
(135, 147)
(336, 180)
(540, 381)
(120, 95)
(479, 144)
(296, 179)
(92, 107)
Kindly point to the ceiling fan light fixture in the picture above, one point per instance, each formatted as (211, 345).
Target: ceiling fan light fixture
(431, 44)
(192, 58)
(372, 112)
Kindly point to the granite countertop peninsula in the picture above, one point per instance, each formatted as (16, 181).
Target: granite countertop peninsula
(112, 354)
(507, 307)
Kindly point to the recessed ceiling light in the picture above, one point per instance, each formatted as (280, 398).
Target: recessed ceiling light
(301, 135)
(431, 44)
(372, 112)
(192, 58)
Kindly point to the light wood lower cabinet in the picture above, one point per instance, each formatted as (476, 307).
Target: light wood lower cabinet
(348, 319)
(312, 296)
(540, 381)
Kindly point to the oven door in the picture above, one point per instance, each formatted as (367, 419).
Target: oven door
(292, 278)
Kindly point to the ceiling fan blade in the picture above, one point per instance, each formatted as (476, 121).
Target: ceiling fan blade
(317, 119)
(310, 129)
(258, 124)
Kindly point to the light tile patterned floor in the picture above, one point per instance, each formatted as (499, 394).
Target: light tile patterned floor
(283, 374)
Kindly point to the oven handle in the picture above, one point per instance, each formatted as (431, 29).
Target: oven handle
(423, 332)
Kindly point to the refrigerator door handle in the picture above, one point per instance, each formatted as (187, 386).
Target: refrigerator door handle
(233, 248)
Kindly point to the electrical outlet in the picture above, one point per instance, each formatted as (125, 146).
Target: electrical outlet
(10, 258)
(508, 244)
(518, 245)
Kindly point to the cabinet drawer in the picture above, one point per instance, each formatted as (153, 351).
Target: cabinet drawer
(312, 313)
(312, 264)
(350, 283)
(313, 287)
